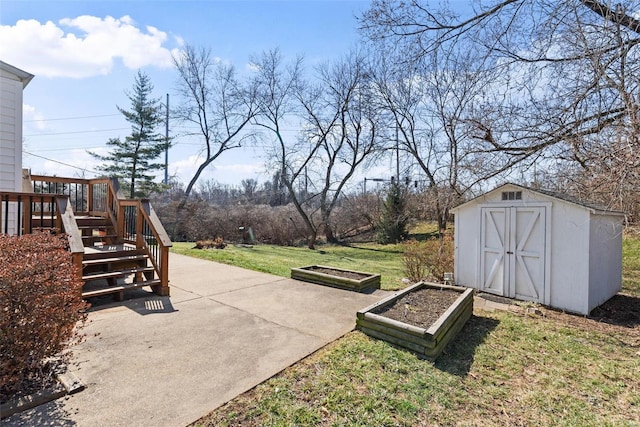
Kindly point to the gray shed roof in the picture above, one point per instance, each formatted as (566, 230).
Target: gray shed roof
(595, 207)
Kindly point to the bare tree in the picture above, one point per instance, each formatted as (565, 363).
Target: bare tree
(564, 74)
(215, 102)
(277, 84)
(341, 115)
(433, 105)
(340, 131)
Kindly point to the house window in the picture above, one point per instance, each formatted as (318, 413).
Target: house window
(512, 195)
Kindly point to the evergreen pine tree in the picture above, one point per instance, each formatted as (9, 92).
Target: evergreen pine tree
(392, 227)
(134, 159)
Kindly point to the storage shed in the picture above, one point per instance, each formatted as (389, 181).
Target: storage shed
(539, 246)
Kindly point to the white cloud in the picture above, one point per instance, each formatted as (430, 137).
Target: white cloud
(231, 173)
(84, 46)
(30, 114)
(252, 67)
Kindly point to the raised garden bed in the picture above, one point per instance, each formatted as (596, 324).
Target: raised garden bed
(337, 278)
(422, 318)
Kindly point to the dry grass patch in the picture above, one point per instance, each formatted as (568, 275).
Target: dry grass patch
(504, 369)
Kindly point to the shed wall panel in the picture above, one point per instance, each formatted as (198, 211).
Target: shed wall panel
(569, 269)
(467, 244)
(605, 267)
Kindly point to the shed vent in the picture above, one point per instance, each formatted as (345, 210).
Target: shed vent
(512, 195)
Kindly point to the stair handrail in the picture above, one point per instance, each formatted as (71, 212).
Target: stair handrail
(160, 261)
(140, 225)
(66, 222)
(113, 206)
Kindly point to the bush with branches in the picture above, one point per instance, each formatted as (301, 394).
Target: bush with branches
(428, 259)
(40, 308)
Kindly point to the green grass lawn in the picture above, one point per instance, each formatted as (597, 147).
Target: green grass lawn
(503, 369)
(631, 265)
(371, 258)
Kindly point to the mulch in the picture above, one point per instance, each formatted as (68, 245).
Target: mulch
(420, 308)
(339, 273)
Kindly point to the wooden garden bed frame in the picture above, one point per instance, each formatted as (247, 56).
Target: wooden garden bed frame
(368, 283)
(428, 343)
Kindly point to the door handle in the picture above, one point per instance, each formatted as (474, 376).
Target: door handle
(509, 253)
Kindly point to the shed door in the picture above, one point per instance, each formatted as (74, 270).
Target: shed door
(513, 252)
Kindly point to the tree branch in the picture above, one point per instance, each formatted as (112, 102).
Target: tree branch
(618, 16)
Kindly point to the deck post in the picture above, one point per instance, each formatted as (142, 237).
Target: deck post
(76, 260)
(26, 219)
(120, 223)
(163, 289)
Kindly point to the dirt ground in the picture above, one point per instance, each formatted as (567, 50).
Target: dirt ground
(420, 308)
(339, 273)
(620, 314)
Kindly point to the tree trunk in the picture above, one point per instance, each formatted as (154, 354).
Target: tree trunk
(311, 243)
(442, 222)
(328, 233)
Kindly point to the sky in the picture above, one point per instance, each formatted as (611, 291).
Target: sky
(85, 55)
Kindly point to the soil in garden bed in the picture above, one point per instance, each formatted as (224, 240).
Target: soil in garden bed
(339, 273)
(420, 308)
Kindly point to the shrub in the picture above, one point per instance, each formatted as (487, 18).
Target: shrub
(414, 259)
(217, 243)
(40, 305)
(429, 259)
(200, 221)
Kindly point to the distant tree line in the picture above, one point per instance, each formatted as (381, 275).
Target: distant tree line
(536, 92)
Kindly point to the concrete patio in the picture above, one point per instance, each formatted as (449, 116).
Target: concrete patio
(167, 361)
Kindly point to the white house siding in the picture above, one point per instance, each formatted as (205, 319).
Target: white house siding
(12, 83)
(583, 248)
(10, 132)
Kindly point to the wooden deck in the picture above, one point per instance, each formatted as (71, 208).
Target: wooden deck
(117, 244)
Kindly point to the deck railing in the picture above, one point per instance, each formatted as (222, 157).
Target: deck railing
(142, 227)
(25, 213)
(87, 196)
(135, 220)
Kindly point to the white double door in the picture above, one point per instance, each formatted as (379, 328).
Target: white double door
(513, 245)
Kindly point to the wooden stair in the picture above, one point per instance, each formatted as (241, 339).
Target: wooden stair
(117, 244)
(115, 269)
(96, 230)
